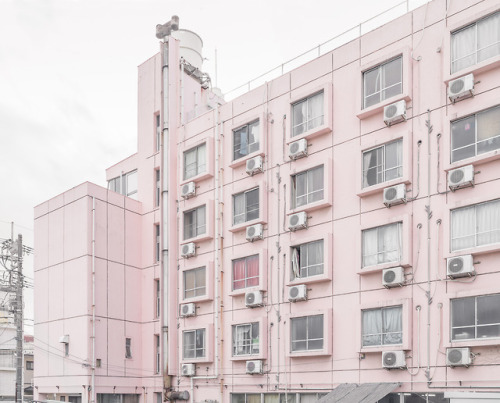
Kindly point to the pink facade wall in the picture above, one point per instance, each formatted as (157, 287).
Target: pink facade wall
(125, 231)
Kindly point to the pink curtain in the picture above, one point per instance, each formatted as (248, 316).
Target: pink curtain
(252, 271)
(238, 274)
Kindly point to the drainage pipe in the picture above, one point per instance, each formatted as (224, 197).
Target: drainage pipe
(92, 382)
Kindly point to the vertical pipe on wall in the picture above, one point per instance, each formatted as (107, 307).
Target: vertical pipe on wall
(429, 216)
(92, 383)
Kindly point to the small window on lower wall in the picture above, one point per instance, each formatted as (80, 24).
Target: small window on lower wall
(475, 317)
(193, 344)
(307, 333)
(307, 260)
(246, 339)
(382, 326)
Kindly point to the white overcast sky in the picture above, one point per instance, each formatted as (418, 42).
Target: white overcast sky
(68, 77)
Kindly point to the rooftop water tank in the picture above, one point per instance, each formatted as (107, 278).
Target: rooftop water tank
(191, 46)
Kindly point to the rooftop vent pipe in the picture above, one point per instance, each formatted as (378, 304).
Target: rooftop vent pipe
(166, 29)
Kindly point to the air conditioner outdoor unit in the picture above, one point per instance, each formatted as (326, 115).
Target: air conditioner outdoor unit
(254, 299)
(393, 277)
(254, 165)
(458, 357)
(394, 359)
(461, 177)
(297, 221)
(297, 293)
(188, 190)
(395, 113)
(460, 266)
(254, 232)
(188, 310)
(298, 149)
(254, 367)
(188, 370)
(395, 195)
(188, 250)
(461, 88)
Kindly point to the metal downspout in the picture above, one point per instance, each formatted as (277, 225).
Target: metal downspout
(165, 209)
(92, 383)
(429, 216)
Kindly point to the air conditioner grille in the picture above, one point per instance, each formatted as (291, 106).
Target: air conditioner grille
(390, 359)
(455, 356)
(294, 292)
(391, 193)
(185, 189)
(294, 220)
(251, 366)
(457, 176)
(389, 276)
(185, 309)
(457, 86)
(391, 111)
(250, 298)
(294, 148)
(251, 164)
(185, 249)
(456, 265)
(251, 231)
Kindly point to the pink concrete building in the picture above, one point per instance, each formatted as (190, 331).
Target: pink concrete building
(338, 224)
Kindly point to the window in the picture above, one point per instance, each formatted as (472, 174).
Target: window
(307, 333)
(194, 344)
(476, 134)
(382, 326)
(29, 365)
(125, 184)
(308, 114)
(382, 244)
(157, 298)
(98, 363)
(383, 163)
(246, 339)
(195, 283)
(307, 187)
(157, 354)
(246, 140)
(158, 132)
(245, 398)
(246, 206)
(7, 358)
(195, 161)
(476, 42)
(475, 317)
(158, 188)
(383, 82)
(246, 272)
(128, 348)
(475, 225)
(157, 242)
(194, 222)
(307, 260)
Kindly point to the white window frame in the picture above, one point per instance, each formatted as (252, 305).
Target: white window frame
(476, 116)
(399, 228)
(474, 27)
(307, 340)
(247, 346)
(310, 122)
(310, 193)
(157, 187)
(199, 352)
(157, 286)
(196, 228)
(301, 269)
(380, 167)
(475, 326)
(248, 209)
(158, 132)
(122, 184)
(197, 288)
(380, 82)
(128, 347)
(157, 354)
(384, 332)
(251, 147)
(157, 243)
(196, 167)
(495, 204)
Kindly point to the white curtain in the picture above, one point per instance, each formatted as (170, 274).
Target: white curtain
(370, 248)
(372, 327)
(389, 247)
(488, 37)
(202, 159)
(315, 111)
(189, 164)
(314, 262)
(239, 208)
(315, 184)
(392, 318)
(463, 49)
(200, 220)
(463, 228)
(488, 223)
(295, 263)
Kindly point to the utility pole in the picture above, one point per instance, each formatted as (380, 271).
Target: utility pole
(18, 316)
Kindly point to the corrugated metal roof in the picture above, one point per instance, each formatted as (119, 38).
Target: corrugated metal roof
(363, 393)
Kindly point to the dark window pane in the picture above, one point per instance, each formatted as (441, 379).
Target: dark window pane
(462, 312)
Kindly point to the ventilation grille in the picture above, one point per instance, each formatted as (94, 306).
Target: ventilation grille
(457, 176)
(457, 86)
(391, 111)
(389, 276)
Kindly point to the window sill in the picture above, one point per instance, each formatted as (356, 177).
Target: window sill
(195, 360)
(243, 291)
(476, 250)
(197, 178)
(247, 357)
(486, 65)
(320, 278)
(379, 187)
(243, 160)
(384, 348)
(475, 342)
(310, 134)
(476, 160)
(311, 207)
(380, 267)
(199, 238)
(204, 298)
(312, 353)
(377, 108)
(243, 225)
